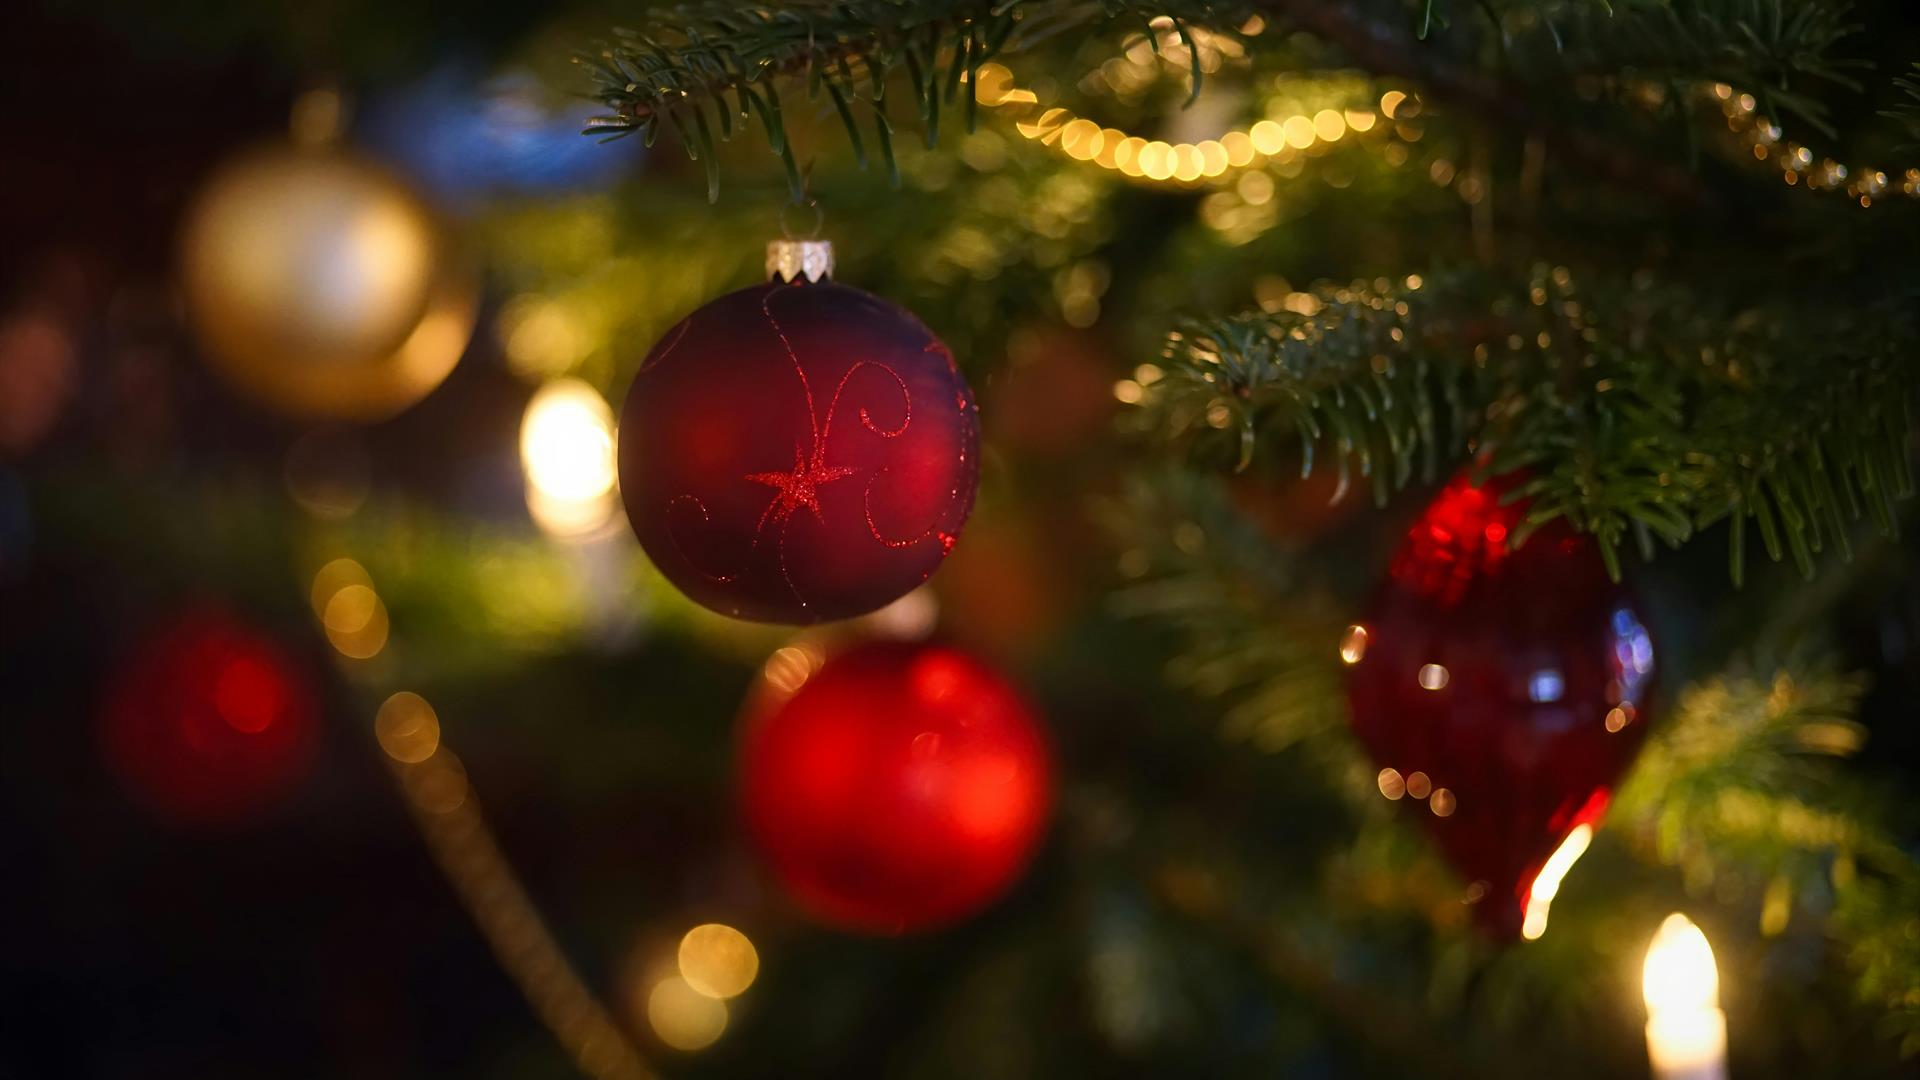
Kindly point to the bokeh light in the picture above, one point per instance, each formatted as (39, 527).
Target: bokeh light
(1353, 645)
(407, 728)
(566, 449)
(718, 960)
(437, 785)
(355, 620)
(684, 1018)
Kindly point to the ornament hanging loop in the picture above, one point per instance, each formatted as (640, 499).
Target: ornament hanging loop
(806, 258)
(819, 219)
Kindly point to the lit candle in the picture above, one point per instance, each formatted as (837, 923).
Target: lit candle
(1686, 1031)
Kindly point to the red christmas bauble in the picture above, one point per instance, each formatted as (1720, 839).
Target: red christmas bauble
(208, 721)
(798, 452)
(903, 786)
(1502, 691)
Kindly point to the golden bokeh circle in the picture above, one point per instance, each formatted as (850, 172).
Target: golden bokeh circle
(320, 285)
(718, 960)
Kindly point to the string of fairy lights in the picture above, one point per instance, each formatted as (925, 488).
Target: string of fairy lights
(1280, 141)
(1277, 141)
(684, 1003)
(1796, 163)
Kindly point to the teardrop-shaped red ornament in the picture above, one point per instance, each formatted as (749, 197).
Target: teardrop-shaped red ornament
(1502, 691)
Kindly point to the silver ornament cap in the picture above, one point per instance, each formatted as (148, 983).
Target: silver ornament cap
(799, 260)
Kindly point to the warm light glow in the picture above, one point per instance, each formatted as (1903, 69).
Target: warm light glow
(1680, 972)
(1183, 163)
(1547, 885)
(1268, 138)
(333, 577)
(718, 960)
(540, 336)
(1433, 677)
(1686, 1031)
(790, 666)
(566, 441)
(1299, 132)
(355, 620)
(1353, 645)
(1392, 785)
(407, 728)
(1419, 785)
(685, 1018)
(566, 448)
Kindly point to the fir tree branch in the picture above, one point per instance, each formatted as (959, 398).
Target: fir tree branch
(1907, 111)
(1775, 49)
(1739, 786)
(1639, 412)
(1207, 571)
(697, 68)
(1371, 34)
(703, 70)
(1740, 780)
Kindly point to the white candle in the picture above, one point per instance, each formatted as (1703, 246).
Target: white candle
(1686, 1031)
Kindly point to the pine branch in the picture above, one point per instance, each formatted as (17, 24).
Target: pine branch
(1255, 636)
(1739, 787)
(1372, 33)
(1777, 50)
(1342, 372)
(703, 71)
(1907, 111)
(1740, 781)
(1640, 412)
(698, 68)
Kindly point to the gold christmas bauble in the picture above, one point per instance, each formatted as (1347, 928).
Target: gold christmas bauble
(320, 285)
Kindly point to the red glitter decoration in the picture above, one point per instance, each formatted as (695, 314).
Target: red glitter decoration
(208, 721)
(1502, 691)
(862, 400)
(901, 787)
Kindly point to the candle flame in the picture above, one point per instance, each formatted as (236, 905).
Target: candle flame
(1680, 972)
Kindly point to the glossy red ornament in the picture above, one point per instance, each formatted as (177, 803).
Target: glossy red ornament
(1502, 692)
(208, 721)
(903, 786)
(798, 452)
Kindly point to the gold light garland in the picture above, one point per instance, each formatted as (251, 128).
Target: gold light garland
(1282, 140)
(1277, 139)
(443, 804)
(685, 1002)
(1796, 163)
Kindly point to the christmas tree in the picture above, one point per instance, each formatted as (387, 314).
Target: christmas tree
(966, 537)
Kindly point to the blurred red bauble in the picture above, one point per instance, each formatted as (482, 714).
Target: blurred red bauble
(798, 452)
(208, 721)
(902, 787)
(1502, 691)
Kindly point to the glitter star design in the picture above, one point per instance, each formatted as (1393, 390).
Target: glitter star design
(801, 487)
